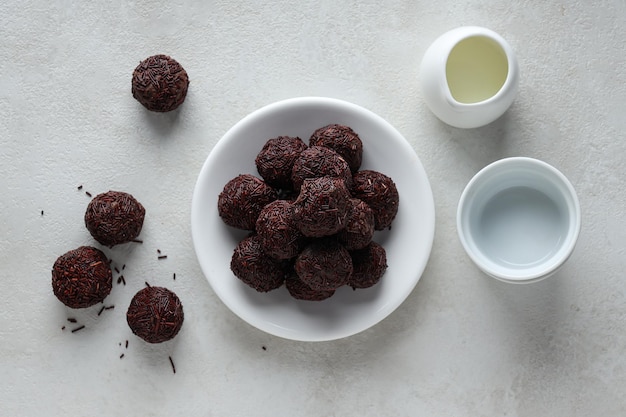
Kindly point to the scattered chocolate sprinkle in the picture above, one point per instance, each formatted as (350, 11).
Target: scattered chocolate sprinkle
(119, 279)
(126, 344)
(160, 83)
(72, 320)
(158, 250)
(114, 217)
(137, 240)
(81, 277)
(123, 280)
(172, 363)
(109, 308)
(263, 347)
(78, 328)
(117, 270)
(62, 327)
(101, 310)
(155, 314)
(162, 257)
(121, 356)
(80, 187)
(123, 267)
(88, 193)
(147, 285)
(174, 276)
(42, 212)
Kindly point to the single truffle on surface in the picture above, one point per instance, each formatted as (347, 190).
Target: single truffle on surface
(322, 206)
(320, 161)
(343, 140)
(253, 267)
(300, 291)
(242, 200)
(324, 265)
(380, 193)
(114, 217)
(277, 231)
(155, 314)
(160, 83)
(275, 160)
(359, 228)
(370, 263)
(82, 277)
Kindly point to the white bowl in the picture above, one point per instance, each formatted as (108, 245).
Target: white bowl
(519, 219)
(408, 243)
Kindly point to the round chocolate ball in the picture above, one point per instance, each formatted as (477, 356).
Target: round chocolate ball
(254, 268)
(155, 314)
(319, 161)
(380, 193)
(343, 140)
(322, 206)
(82, 277)
(276, 159)
(324, 265)
(300, 291)
(160, 83)
(242, 200)
(114, 217)
(277, 231)
(370, 263)
(359, 228)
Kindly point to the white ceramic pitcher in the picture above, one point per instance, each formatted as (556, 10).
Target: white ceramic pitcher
(469, 76)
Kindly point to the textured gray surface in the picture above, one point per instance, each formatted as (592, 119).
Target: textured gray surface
(462, 344)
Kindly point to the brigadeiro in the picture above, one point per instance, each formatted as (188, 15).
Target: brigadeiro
(114, 217)
(82, 277)
(277, 231)
(300, 291)
(370, 263)
(252, 266)
(343, 140)
(275, 160)
(160, 83)
(380, 193)
(319, 161)
(322, 206)
(155, 314)
(242, 200)
(324, 265)
(359, 228)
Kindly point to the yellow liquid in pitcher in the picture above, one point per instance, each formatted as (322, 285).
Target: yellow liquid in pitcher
(476, 69)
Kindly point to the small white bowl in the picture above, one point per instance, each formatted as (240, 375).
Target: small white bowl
(519, 219)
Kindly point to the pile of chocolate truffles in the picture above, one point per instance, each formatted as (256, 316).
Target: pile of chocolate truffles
(312, 215)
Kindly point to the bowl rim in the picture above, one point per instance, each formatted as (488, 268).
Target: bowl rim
(495, 168)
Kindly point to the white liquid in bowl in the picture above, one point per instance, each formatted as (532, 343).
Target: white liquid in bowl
(520, 227)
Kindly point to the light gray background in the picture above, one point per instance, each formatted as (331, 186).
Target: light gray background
(461, 345)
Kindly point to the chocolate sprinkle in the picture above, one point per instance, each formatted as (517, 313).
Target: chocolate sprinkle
(87, 193)
(121, 356)
(162, 257)
(341, 139)
(155, 314)
(81, 277)
(101, 310)
(78, 329)
(72, 320)
(62, 327)
(172, 363)
(242, 199)
(114, 217)
(80, 187)
(160, 83)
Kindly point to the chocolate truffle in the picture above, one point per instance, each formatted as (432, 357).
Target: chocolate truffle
(160, 83)
(370, 263)
(319, 161)
(276, 159)
(155, 314)
(82, 277)
(242, 200)
(277, 231)
(322, 206)
(380, 193)
(341, 139)
(252, 266)
(324, 265)
(114, 217)
(359, 228)
(300, 291)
